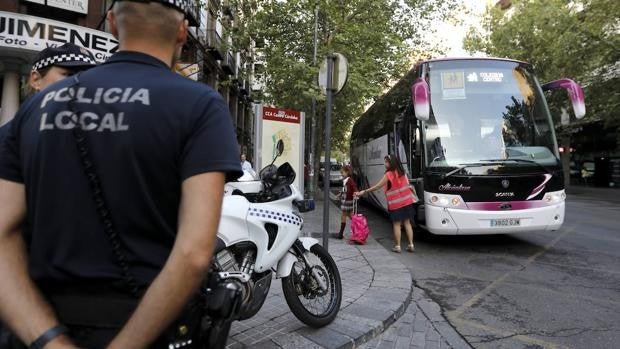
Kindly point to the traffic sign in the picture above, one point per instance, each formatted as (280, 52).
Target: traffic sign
(339, 74)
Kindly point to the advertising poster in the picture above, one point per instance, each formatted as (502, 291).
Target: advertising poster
(287, 125)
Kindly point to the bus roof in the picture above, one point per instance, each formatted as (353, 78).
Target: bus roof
(473, 58)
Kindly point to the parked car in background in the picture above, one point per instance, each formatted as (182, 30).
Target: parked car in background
(334, 174)
(335, 178)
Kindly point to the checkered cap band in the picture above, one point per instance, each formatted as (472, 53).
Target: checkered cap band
(67, 57)
(181, 5)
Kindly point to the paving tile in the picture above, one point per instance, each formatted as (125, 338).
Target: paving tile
(294, 341)
(325, 337)
(418, 339)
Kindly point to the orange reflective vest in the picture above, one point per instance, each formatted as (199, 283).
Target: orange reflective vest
(399, 195)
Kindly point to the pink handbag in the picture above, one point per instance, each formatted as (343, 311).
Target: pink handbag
(359, 226)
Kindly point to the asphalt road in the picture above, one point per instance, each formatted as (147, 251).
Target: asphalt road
(531, 290)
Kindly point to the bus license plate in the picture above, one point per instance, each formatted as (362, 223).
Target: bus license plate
(506, 222)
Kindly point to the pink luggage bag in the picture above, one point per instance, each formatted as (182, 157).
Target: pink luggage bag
(359, 226)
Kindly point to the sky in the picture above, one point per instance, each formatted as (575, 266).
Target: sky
(452, 35)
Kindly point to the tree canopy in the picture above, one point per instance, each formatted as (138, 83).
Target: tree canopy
(378, 38)
(577, 39)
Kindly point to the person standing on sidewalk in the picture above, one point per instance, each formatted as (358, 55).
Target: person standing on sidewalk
(346, 196)
(118, 174)
(400, 196)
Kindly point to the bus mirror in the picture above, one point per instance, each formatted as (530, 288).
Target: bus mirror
(419, 97)
(574, 92)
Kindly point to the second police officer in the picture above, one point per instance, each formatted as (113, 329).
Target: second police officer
(122, 201)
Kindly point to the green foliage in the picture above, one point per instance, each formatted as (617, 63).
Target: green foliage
(576, 39)
(376, 36)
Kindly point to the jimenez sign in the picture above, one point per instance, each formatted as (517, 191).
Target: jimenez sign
(35, 33)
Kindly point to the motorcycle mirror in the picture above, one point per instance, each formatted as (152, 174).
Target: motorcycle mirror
(280, 147)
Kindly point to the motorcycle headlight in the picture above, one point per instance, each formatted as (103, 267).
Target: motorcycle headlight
(555, 197)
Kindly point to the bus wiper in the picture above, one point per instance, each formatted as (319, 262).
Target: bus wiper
(520, 160)
(462, 166)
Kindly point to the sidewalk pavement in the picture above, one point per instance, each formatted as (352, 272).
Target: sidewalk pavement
(377, 293)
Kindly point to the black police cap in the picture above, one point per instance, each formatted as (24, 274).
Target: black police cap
(68, 55)
(183, 6)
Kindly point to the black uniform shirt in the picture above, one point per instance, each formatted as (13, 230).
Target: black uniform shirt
(4, 130)
(148, 129)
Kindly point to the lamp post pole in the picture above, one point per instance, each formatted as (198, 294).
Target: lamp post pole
(329, 89)
(313, 125)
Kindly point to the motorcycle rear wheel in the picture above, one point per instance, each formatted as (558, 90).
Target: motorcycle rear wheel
(302, 292)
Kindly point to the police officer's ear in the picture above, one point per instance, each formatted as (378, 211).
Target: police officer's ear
(111, 18)
(182, 33)
(36, 80)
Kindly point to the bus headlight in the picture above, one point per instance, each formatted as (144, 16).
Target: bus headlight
(443, 200)
(555, 197)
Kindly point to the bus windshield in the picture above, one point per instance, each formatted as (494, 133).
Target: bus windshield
(487, 110)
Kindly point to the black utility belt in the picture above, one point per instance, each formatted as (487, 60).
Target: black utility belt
(100, 311)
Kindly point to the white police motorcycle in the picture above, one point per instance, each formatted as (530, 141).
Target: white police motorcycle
(259, 234)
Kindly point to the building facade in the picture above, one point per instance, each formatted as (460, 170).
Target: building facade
(28, 26)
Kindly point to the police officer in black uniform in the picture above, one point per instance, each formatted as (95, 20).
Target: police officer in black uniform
(118, 173)
(52, 64)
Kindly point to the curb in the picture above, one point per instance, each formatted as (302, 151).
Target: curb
(438, 320)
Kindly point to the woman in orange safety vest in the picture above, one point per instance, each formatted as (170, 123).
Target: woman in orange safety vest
(400, 196)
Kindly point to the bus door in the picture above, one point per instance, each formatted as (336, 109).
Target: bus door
(408, 147)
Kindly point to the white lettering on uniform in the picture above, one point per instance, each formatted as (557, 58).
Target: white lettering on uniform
(119, 123)
(126, 95)
(91, 126)
(65, 125)
(89, 121)
(107, 95)
(141, 95)
(48, 97)
(44, 124)
(107, 122)
(97, 97)
(80, 96)
(59, 98)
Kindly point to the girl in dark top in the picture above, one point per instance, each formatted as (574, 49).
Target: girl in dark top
(400, 197)
(346, 196)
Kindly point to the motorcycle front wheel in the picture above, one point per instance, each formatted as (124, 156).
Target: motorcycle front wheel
(311, 304)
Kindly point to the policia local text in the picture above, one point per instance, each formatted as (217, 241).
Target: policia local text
(89, 121)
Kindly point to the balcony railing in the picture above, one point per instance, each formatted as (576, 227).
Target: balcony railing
(214, 44)
(244, 86)
(193, 16)
(229, 64)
